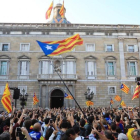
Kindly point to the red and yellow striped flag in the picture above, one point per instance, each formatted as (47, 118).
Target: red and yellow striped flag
(48, 13)
(35, 100)
(66, 45)
(5, 100)
(117, 98)
(124, 88)
(123, 104)
(137, 92)
(89, 103)
(61, 12)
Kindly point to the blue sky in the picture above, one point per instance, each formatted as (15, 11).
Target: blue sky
(77, 11)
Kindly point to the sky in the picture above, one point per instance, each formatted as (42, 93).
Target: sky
(77, 11)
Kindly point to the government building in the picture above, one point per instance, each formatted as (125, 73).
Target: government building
(109, 56)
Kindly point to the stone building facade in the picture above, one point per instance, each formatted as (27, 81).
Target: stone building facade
(109, 56)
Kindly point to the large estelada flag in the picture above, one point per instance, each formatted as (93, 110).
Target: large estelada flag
(117, 98)
(35, 100)
(68, 96)
(136, 93)
(6, 100)
(124, 88)
(48, 13)
(61, 12)
(89, 103)
(52, 48)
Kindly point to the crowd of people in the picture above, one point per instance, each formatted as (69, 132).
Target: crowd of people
(70, 124)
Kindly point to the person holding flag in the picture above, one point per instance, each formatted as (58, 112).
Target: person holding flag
(5, 100)
(35, 100)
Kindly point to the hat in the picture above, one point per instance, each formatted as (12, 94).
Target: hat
(122, 136)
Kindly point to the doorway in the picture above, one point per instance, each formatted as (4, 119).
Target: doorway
(57, 98)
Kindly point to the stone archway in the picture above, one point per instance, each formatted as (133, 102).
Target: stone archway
(57, 98)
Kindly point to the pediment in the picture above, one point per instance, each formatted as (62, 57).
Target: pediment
(90, 57)
(110, 58)
(44, 57)
(131, 58)
(24, 57)
(4, 57)
(70, 57)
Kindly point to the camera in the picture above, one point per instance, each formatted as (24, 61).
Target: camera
(18, 131)
(51, 121)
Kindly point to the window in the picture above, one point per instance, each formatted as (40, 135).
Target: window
(24, 68)
(2, 90)
(110, 69)
(24, 47)
(109, 48)
(4, 46)
(132, 68)
(3, 68)
(92, 89)
(90, 47)
(70, 67)
(21, 88)
(132, 48)
(111, 90)
(44, 67)
(91, 68)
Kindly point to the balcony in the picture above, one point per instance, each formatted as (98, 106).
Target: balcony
(23, 77)
(56, 77)
(3, 77)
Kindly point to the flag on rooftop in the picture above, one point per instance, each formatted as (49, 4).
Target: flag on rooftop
(35, 100)
(6, 100)
(48, 13)
(61, 12)
(52, 48)
(124, 88)
(117, 98)
(136, 93)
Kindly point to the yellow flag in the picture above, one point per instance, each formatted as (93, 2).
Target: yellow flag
(5, 100)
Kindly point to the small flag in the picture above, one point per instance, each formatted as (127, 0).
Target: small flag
(124, 88)
(89, 103)
(48, 13)
(136, 93)
(53, 48)
(111, 101)
(123, 104)
(35, 100)
(68, 96)
(61, 12)
(117, 98)
(5, 100)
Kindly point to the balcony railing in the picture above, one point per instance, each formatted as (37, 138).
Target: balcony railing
(3, 77)
(23, 77)
(56, 77)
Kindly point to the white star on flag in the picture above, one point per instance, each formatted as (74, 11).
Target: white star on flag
(49, 47)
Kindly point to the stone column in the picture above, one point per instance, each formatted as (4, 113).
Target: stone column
(73, 92)
(122, 60)
(47, 96)
(40, 93)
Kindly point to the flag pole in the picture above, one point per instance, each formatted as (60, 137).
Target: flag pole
(68, 89)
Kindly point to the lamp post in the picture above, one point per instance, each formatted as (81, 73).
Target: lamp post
(23, 98)
(89, 95)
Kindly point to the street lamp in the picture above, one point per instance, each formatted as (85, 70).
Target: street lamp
(23, 98)
(89, 95)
